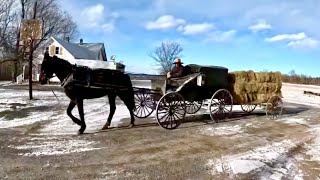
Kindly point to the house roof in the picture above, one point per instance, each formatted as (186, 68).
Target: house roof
(89, 51)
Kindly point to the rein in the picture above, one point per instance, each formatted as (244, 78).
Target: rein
(55, 95)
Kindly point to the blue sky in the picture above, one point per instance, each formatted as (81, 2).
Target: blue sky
(274, 35)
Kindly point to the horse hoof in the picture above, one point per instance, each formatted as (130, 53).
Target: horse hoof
(131, 125)
(80, 132)
(105, 127)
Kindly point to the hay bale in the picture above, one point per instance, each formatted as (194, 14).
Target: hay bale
(265, 77)
(242, 76)
(255, 88)
(249, 86)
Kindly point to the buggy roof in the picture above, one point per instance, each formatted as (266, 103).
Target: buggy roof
(198, 67)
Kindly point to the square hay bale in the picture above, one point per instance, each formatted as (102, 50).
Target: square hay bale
(249, 86)
(242, 76)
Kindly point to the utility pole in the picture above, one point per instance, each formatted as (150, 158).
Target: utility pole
(31, 55)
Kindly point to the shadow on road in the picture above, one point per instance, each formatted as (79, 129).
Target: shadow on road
(205, 119)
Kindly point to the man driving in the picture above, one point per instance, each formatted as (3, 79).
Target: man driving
(177, 70)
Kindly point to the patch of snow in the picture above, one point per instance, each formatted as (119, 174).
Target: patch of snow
(32, 118)
(313, 148)
(249, 161)
(222, 130)
(293, 93)
(18, 100)
(240, 166)
(96, 115)
(292, 120)
(54, 146)
(5, 83)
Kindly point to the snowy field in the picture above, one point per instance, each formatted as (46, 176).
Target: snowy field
(55, 136)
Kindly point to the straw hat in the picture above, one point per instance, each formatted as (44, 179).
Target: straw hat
(178, 61)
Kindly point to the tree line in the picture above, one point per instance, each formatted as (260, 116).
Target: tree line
(293, 77)
(55, 22)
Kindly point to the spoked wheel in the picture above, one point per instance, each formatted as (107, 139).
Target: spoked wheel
(193, 107)
(144, 104)
(220, 105)
(248, 108)
(274, 107)
(171, 110)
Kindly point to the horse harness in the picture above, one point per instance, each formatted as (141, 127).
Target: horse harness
(86, 77)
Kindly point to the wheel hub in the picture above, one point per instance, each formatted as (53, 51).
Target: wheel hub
(142, 103)
(171, 112)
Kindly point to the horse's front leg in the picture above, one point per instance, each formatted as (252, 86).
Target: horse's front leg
(72, 104)
(81, 114)
(112, 103)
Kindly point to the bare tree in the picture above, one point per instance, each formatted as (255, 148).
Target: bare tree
(165, 54)
(55, 23)
(7, 28)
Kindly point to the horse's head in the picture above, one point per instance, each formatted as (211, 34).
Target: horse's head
(46, 69)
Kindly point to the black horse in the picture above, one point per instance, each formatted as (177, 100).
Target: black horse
(119, 84)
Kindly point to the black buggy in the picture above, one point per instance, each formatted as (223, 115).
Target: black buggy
(172, 99)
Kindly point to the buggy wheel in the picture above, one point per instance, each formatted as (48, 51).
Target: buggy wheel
(193, 107)
(248, 108)
(144, 105)
(274, 107)
(170, 110)
(220, 105)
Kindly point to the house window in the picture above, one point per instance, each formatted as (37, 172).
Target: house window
(47, 49)
(57, 50)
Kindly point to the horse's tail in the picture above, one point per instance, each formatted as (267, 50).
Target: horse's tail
(130, 94)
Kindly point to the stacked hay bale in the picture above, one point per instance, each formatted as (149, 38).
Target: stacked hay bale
(254, 87)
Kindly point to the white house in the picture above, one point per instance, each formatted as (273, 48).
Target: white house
(92, 55)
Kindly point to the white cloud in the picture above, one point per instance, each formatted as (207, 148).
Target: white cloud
(192, 29)
(260, 26)
(297, 41)
(95, 18)
(281, 37)
(220, 36)
(108, 27)
(164, 22)
(93, 15)
(307, 43)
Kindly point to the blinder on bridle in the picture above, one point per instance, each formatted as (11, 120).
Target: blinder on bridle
(46, 71)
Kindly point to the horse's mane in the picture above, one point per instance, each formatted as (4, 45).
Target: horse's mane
(64, 63)
(61, 61)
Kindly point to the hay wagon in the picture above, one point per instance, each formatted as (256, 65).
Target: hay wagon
(213, 86)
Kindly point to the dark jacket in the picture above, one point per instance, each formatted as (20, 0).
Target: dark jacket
(176, 71)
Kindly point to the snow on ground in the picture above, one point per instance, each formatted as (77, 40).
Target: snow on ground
(96, 114)
(96, 111)
(222, 130)
(40, 146)
(5, 83)
(52, 139)
(293, 93)
(256, 160)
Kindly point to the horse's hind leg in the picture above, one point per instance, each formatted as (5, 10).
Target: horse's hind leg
(72, 104)
(112, 103)
(81, 114)
(129, 102)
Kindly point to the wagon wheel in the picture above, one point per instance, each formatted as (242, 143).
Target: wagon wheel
(193, 107)
(248, 108)
(220, 105)
(274, 107)
(170, 110)
(144, 104)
